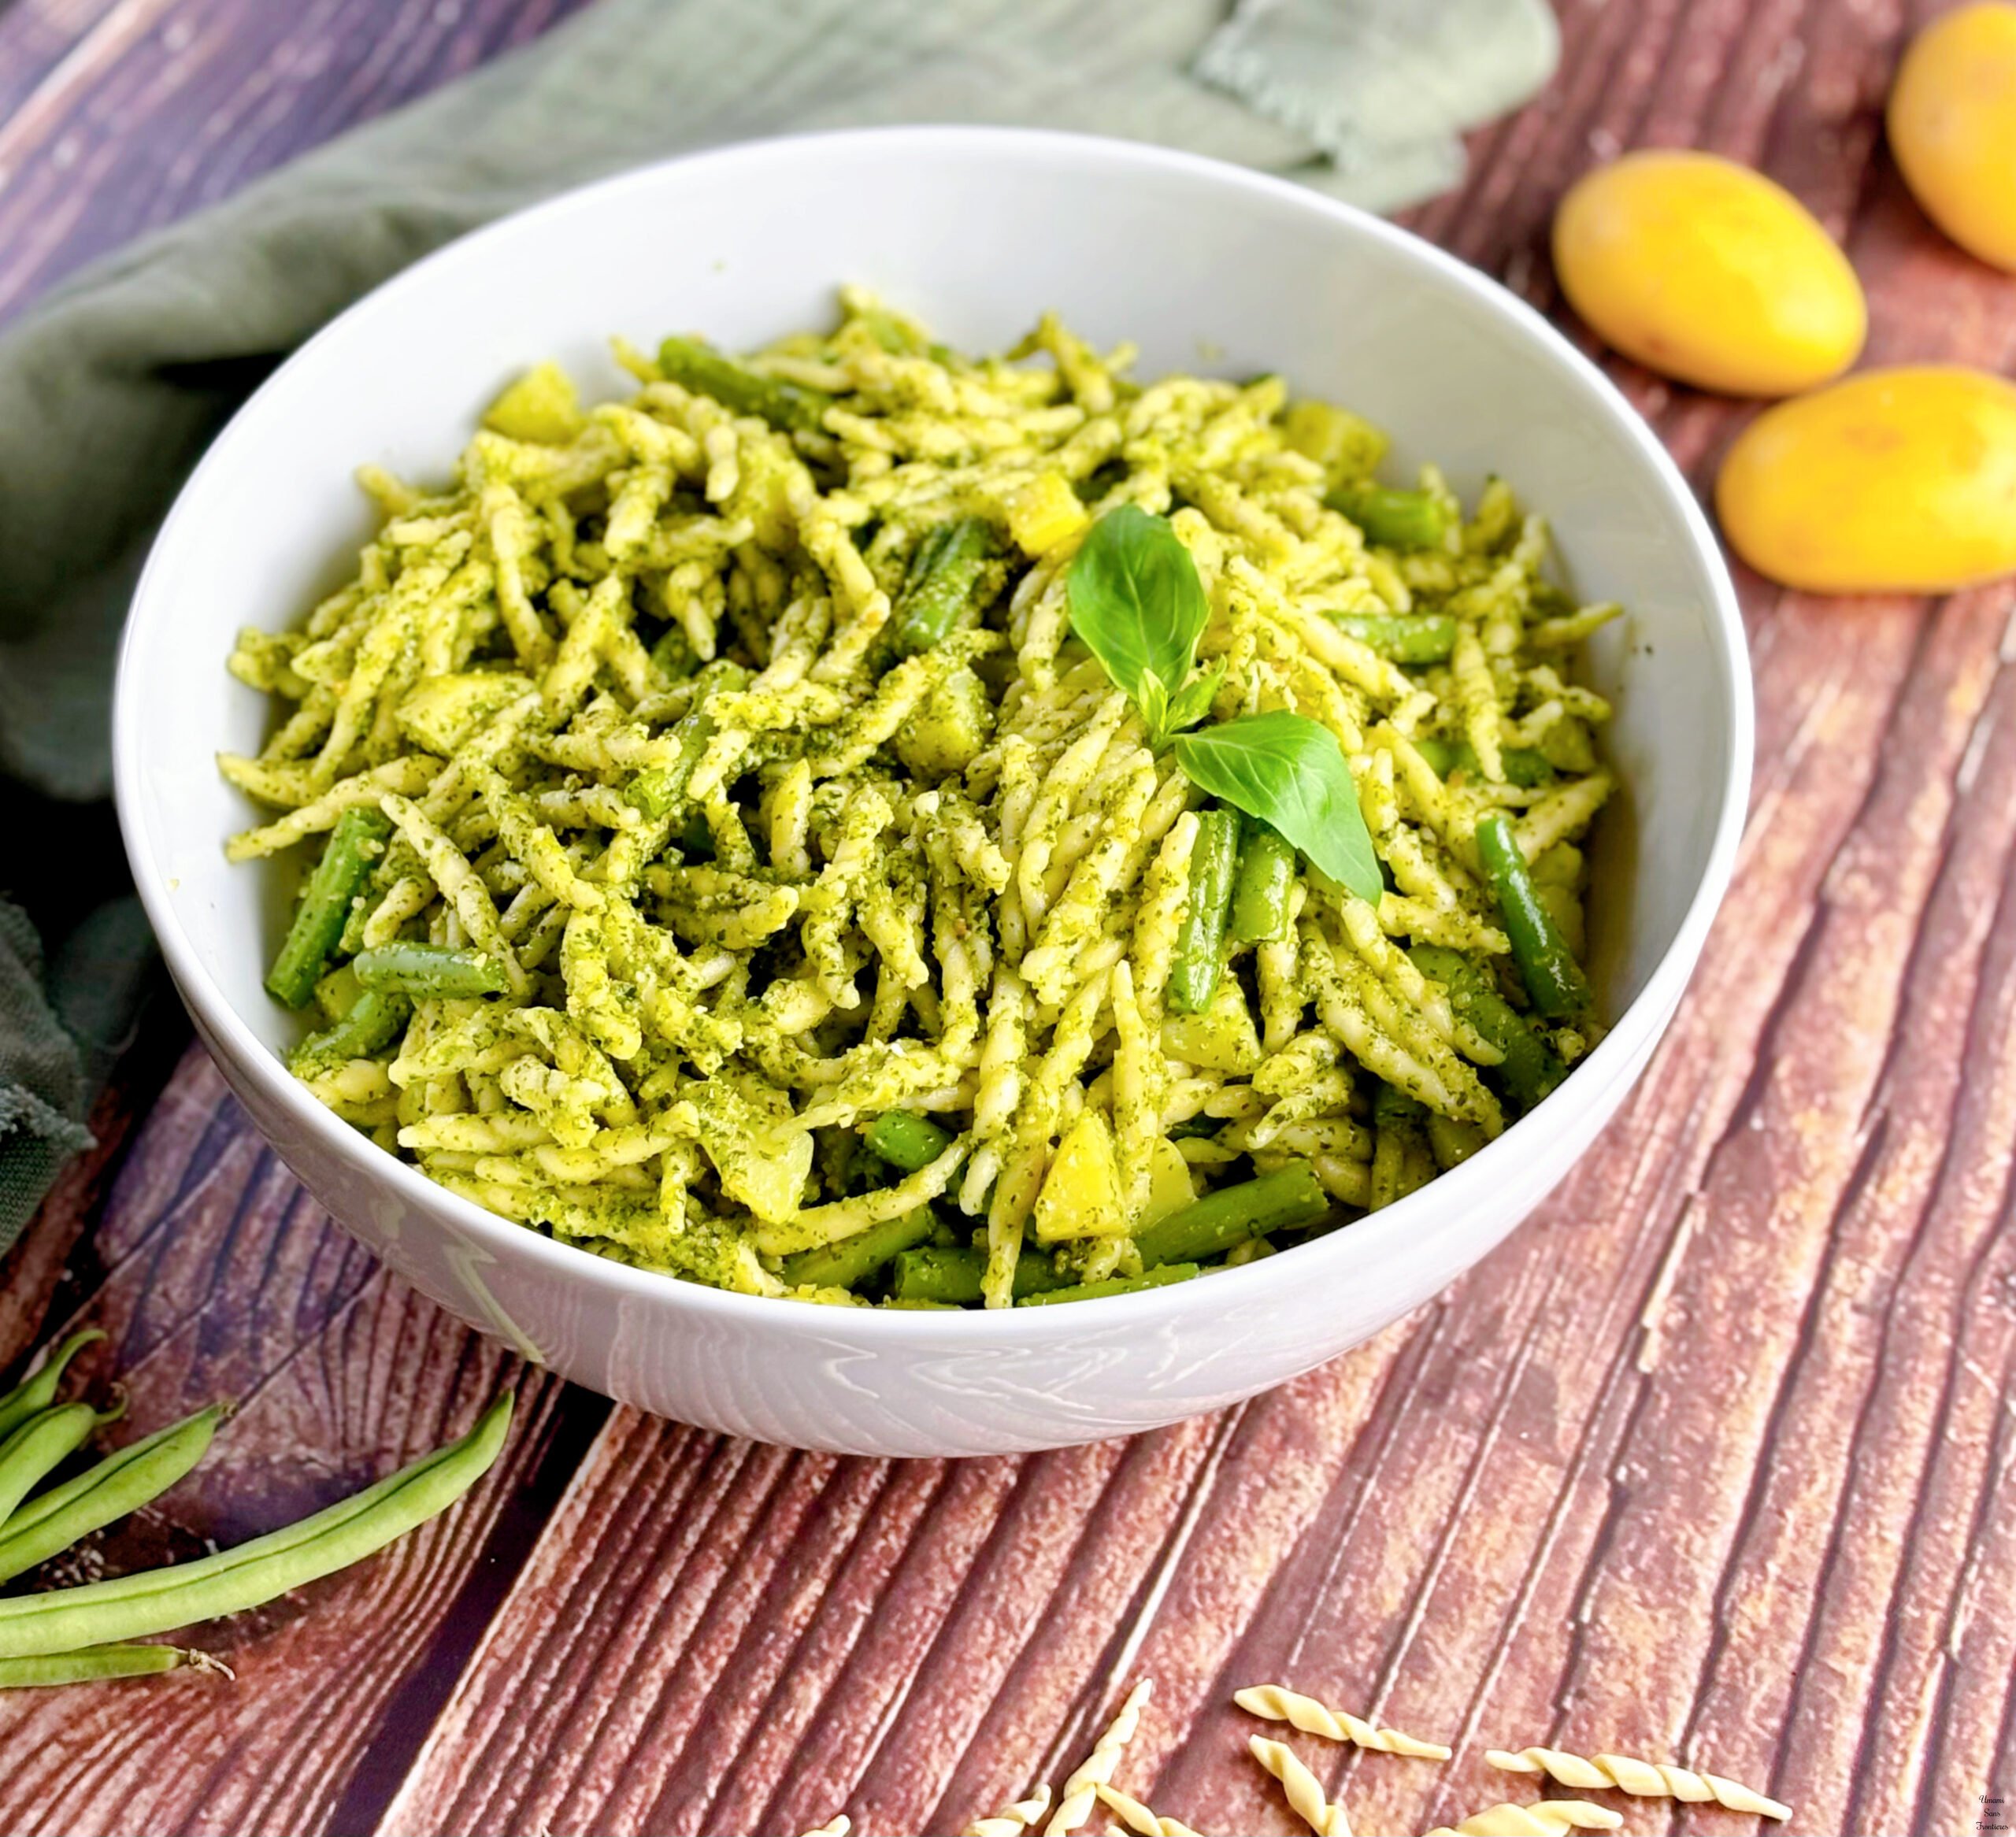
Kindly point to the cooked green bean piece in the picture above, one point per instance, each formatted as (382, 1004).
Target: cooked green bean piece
(1393, 519)
(33, 1394)
(906, 1141)
(352, 850)
(658, 789)
(945, 576)
(1403, 637)
(1289, 1198)
(123, 1481)
(786, 405)
(1522, 765)
(370, 1027)
(1200, 940)
(953, 1274)
(43, 1444)
(1554, 979)
(1392, 1108)
(1530, 1068)
(130, 1607)
(1261, 886)
(1451, 1142)
(92, 1663)
(429, 972)
(1088, 1291)
(850, 1260)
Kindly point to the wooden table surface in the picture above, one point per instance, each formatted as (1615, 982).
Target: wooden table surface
(1712, 1459)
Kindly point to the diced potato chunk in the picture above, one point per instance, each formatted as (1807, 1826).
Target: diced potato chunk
(541, 406)
(1222, 1038)
(1080, 1196)
(949, 729)
(1346, 446)
(1044, 512)
(1169, 1186)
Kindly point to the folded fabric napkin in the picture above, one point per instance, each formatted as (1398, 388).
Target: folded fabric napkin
(112, 385)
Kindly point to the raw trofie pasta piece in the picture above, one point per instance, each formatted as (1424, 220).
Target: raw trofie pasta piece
(836, 1826)
(709, 802)
(1315, 1808)
(1312, 1717)
(1641, 1779)
(1551, 1817)
(1137, 1818)
(1011, 1821)
(1081, 1790)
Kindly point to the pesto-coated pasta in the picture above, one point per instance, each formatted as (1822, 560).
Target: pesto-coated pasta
(747, 778)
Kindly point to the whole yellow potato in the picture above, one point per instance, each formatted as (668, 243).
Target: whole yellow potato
(1952, 121)
(1894, 481)
(1703, 270)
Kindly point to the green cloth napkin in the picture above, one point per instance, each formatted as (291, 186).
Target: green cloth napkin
(112, 385)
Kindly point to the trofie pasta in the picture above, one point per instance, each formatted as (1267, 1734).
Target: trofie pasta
(1551, 1817)
(1642, 1779)
(1138, 1818)
(868, 824)
(1011, 1821)
(1081, 1792)
(1306, 1795)
(1306, 1713)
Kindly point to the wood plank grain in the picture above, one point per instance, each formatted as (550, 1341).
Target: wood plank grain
(1715, 1454)
(216, 1278)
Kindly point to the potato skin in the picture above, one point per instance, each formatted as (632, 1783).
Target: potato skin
(1707, 272)
(1952, 123)
(1897, 480)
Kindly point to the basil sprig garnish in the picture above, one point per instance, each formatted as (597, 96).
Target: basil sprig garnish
(1137, 603)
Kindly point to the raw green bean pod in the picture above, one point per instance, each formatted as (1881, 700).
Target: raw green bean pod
(43, 1444)
(156, 1601)
(850, 1260)
(351, 852)
(785, 405)
(35, 1393)
(1554, 979)
(1200, 940)
(429, 972)
(93, 1664)
(906, 1141)
(123, 1481)
(1393, 519)
(1160, 1277)
(1290, 1199)
(1262, 887)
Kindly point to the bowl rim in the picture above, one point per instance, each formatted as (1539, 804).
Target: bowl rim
(1443, 1200)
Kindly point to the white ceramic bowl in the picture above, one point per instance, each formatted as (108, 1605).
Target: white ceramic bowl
(977, 230)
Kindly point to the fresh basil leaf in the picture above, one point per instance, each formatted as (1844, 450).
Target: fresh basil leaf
(1136, 601)
(1289, 771)
(1152, 699)
(1193, 700)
